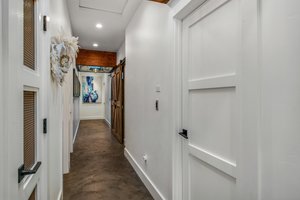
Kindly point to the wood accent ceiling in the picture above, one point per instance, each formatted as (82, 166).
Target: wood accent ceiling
(161, 1)
(96, 58)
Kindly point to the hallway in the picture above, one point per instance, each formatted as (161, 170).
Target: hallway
(99, 169)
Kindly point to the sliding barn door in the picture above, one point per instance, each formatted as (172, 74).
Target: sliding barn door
(117, 104)
(211, 46)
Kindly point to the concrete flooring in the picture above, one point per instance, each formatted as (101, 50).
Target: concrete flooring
(99, 169)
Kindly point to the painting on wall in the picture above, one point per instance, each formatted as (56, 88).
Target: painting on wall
(91, 89)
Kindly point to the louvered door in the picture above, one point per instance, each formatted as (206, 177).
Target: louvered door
(117, 104)
(26, 74)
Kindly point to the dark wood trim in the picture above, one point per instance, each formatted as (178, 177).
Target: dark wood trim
(161, 1)
(96, 58)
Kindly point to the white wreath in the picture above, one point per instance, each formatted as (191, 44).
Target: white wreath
(63, 53)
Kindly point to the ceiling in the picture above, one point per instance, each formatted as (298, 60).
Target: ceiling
(114, 15)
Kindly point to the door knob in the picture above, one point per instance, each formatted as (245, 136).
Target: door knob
(22, 172)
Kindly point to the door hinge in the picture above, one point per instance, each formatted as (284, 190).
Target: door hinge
(45, 125)
(184, 133)
(122, 75)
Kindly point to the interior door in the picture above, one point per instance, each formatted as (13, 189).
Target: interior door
(211, 45)
(117, 103)
(24, 99)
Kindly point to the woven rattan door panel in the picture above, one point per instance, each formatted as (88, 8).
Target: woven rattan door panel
(29, 34)
(29, 128)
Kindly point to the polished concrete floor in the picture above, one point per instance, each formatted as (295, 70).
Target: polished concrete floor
(99, 169)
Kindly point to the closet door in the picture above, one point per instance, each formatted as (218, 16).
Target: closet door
(211, 45)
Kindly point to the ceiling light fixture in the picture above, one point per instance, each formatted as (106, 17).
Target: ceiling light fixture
(95, 45)
(99, 26)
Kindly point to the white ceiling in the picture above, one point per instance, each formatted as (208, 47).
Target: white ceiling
(114, 15)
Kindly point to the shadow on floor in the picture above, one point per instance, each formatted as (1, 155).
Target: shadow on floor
(99, 169)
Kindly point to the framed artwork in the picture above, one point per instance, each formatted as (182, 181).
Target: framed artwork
(91, 89)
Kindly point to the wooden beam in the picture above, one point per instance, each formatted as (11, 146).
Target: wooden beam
(96, 58)
(161, 1)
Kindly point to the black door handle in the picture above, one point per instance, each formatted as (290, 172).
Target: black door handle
(184, 133)
(22, 172)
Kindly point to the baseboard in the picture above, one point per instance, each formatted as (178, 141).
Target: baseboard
(74, 139)
(108, 123)
(91, 117)
(156, 194)
(59, 197)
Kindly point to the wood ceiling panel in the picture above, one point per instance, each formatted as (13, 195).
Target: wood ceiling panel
(96, 58)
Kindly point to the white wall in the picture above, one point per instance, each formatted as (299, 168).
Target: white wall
(59, 22)
(1, 114)
(76, 116)
(67, 95)
(121, 54)
(76, 113)
(280, 90)
(92, 111)
(107, 81)
(147, 131)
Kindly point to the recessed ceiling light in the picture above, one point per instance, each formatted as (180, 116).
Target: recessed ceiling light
(95, 45)
(99, 26)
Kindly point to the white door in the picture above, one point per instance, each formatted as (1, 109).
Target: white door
(211, 47)
(24, 100)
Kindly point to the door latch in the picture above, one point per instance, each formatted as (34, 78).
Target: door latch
(22, 172)
(184, 133)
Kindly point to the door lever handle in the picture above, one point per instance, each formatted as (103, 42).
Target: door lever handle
(22, 172)
(184, 133)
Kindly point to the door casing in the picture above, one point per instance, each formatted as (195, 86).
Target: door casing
(1, 112)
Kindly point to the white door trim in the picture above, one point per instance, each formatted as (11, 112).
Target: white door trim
(177, 111)
(1, 113)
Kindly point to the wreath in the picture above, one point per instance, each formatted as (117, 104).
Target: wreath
(63, 52)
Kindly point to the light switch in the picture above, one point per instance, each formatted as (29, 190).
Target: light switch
(157, 88)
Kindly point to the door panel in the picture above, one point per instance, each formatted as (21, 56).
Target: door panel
(117, 104)
(29, 129)
(213, 41)
(211, 113)
(211, 45)
(201, 183)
